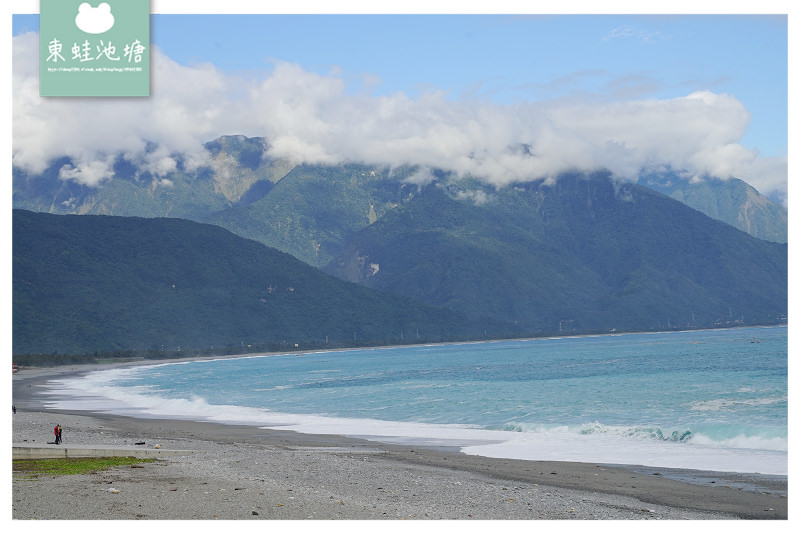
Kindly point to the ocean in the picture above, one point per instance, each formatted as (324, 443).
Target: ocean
(709, 400)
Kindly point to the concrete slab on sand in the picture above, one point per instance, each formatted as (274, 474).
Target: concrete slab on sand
(34, 451)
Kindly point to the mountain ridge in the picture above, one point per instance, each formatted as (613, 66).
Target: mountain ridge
(588, 252)
(731, 201)
(579, 253)
(293, 207)
(86, 283)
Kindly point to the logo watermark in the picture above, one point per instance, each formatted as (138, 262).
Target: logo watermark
(94, 48)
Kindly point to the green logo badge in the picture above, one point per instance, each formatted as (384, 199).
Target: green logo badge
(94, 48)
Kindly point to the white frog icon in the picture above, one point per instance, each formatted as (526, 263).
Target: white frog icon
(94, 19)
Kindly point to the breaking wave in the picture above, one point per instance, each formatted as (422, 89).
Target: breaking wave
(766, 438)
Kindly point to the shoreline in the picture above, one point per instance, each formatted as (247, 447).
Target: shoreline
(469, 443)
(551, 490)
(301, 352)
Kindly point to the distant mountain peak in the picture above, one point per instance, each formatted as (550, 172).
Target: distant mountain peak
(731, 201)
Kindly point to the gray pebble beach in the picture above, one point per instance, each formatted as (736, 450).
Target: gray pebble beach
(249, 473)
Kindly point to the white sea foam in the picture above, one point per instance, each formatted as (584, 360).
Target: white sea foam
(553, 400)
(744, 442)
(585, 443)
(568, 446)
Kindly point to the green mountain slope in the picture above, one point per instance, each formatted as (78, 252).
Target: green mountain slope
(581, 255)
(98, 283)
(731, 201)
(237, 171)
(311, 211)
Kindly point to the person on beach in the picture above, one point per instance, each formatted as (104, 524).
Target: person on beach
(55, 432)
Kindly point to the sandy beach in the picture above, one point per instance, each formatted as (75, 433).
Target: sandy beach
(249, 473)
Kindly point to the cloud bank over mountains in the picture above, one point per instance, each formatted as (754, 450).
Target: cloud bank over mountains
(313, 118)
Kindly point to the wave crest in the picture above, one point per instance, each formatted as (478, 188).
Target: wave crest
(758, 438)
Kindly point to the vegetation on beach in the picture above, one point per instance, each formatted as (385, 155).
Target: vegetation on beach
(33, 468)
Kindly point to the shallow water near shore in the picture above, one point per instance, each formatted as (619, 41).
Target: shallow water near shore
(710, 400)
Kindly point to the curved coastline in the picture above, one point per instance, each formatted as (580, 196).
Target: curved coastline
(682, 493)
(632, 440)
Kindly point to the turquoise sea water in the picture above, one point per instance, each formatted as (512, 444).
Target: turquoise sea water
(715, 400)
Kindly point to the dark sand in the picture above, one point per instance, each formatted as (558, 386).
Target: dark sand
(244, 472)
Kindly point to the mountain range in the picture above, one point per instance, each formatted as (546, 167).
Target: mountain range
(577, 254)
(310, 211)
(586, 253)
(731, 201)
(84, 284)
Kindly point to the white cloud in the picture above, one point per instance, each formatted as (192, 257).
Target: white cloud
(312, 118)
(421, 177)
(477, 196)
(91, 174)
(632, 32)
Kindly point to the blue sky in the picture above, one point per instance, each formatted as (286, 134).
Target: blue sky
(515, 62)
(508, 58)
(512, 58)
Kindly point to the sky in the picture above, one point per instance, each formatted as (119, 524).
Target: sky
(703, 94)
